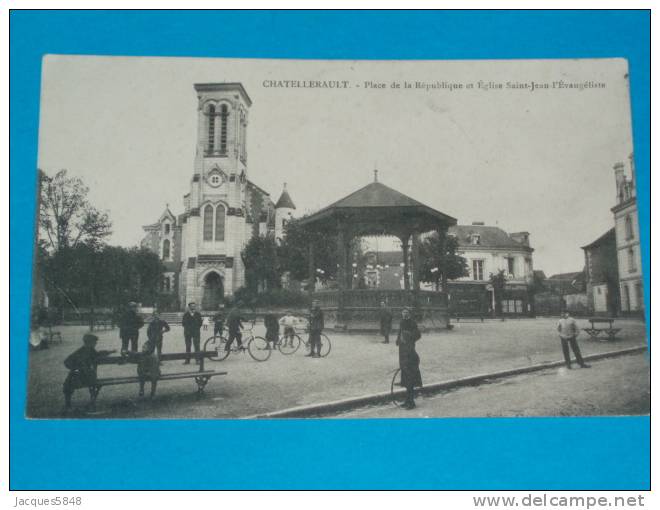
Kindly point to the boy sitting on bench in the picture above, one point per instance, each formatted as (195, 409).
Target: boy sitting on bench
(82, 368)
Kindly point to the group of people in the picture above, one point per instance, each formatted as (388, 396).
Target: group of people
(131, 322)
(289, 322)
(82, 363)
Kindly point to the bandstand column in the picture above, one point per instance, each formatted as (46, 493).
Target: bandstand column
(311, 270)
(342, 270)
(406, 268)
(415, 261)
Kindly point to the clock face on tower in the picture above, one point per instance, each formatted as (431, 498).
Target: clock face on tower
(215, 178)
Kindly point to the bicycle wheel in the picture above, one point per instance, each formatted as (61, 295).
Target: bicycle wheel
(325, 346)
(216, 344)
(289, 345)
(258, 348)
(397, 400)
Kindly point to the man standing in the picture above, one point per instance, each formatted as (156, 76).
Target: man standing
(411, 377)
(129, 328)
(155, 331)
(568, 332)
(234, 326)
(316, 325)
(192, 323)
(219, 321)
(385, 322)
(272, 328)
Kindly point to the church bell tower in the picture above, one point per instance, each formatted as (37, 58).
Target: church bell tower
(215, 228)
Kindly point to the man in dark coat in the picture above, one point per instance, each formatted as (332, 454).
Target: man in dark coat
(129, 328)
(219, 321)
(385, 315)
(155, 331)
(234, 327)
(82, 368)
(408, 357)
(316, 325)
(192, 323)
(272, 328)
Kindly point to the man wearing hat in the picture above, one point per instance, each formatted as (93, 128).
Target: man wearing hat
(129, 328)
(411, 377)
(82, 368)
(316, 325)
(385, 316)
(192, 323)
(219, 320)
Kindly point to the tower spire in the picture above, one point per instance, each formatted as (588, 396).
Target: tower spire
(375, 175)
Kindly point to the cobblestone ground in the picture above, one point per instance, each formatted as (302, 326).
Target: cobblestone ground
(613, 386)
(357, 365)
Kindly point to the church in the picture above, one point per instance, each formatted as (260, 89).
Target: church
(223, 209)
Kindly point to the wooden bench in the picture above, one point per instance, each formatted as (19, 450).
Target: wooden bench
(594, 331)
(200, 376)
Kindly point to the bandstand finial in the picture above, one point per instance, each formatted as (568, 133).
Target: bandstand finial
(375, 175)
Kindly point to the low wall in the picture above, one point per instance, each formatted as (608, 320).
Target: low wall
(359, 310)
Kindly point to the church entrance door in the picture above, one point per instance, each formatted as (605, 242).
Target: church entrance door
(213, 291)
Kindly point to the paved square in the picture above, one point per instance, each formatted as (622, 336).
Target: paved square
(357, 365)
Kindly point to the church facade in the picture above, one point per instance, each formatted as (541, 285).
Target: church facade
(222, 210)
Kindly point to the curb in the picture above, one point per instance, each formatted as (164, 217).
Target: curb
(325, 408)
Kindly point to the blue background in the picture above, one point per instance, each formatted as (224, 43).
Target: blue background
(540, 453)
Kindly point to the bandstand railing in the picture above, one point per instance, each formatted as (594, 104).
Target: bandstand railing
(350, 307)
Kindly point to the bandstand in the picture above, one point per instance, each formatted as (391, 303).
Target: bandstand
(378, 210)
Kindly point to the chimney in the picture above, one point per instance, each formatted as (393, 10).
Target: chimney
(520, 237)
(620, 180)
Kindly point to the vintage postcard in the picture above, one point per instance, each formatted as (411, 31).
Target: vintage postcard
(226, 238)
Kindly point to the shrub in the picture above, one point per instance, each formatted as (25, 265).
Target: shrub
(273, 297)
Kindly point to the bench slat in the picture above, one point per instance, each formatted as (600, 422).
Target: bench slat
(110, 381)
(174, 356)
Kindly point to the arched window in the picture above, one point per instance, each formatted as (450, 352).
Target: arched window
(166, 284)
(166, 249)
(629, 228)
(211, 129)
(223, 128)
(241, 137)
(220, 223)
(632, 266)
(208, 223)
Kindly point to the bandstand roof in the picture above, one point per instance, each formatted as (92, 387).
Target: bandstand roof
(378, 209)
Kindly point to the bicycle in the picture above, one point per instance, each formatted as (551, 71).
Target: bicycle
(257, 347)
(398, 395)
(289, 344)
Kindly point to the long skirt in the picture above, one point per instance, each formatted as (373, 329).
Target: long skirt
(409, 364)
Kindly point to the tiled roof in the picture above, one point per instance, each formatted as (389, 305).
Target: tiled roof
(489, 237)
(566, 276)
(608, 236)
(374, 197)
(285, 201)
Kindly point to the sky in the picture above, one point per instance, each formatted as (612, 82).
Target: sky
(538, 160)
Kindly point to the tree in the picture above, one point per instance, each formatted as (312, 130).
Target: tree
(294, 252)
(262, 266)
(108, 276)
(66, 218)
(434, 264)
(498, 281)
